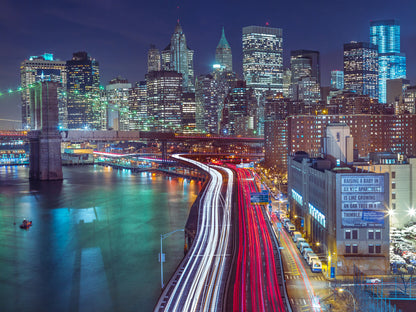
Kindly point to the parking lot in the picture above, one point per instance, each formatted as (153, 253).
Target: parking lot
(403, 250)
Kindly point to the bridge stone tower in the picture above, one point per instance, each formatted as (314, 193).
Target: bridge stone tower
(45, 140)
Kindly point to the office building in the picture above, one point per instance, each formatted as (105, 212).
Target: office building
(305, 76)
(402, 175)
(395, 89)
(361, 68)
(179, 57)
(153, 59)
(391, 62)
(118, 112)
(340, 210)
(337, 79)
(85, 109)
(138, 106)
(223, 55)
(239, 115)
(207, 104)
(43, 68)
(188, 113)
(164, 96)
(408, 104)
(263, 58)
(305, 63)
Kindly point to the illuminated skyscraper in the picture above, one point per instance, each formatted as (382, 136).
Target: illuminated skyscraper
(240, 111)
(305, 63)
(391, 63)
(223, 55)
(164, 96)
(263, 58)
(188, 113)
(178, 57)
(207, 104)
(361, 68)
(337, 79)
(305, 68)
(85, 109)
(118, 115)
(153, 59)
(43, 68)
(138, 106)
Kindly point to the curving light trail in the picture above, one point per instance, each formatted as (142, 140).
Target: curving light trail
(201, 285)
(256, 287)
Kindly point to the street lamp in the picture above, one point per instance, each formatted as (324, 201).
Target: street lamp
(341, 290)
(162, 255)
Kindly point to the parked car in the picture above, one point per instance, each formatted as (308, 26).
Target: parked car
(372, 281)
(296, 235)
(300, 240)
(306, 251)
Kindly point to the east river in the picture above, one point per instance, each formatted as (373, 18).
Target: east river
(95, 238)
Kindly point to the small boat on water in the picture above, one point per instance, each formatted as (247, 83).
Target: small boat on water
(26, 224)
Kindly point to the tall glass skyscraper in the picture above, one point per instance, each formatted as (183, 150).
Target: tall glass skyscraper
(43, 68)
(85, 109)
(263, 58)
(337, 79)
(361, 68)
(179, 57)
(392, 64)
(223, 55)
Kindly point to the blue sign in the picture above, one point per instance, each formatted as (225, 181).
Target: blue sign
(302, 222)
(259, 198)
(332, 272)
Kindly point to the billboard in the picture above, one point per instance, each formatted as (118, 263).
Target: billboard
(259, 198)
(362, 201)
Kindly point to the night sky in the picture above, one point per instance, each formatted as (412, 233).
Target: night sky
(118, 33)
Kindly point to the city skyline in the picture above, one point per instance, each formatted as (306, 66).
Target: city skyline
(120, 45)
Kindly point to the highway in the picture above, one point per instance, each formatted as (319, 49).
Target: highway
(256, 286)
(201, 277)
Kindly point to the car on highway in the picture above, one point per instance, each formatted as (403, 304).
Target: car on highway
(372, 281)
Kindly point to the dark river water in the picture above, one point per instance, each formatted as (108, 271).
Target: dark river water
(95, 238)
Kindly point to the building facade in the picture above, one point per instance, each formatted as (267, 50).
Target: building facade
(342, 213)
(391, 62)
(337, 79)
(207, 104)
(164, 96)
(179, 57)
(402, 177)
(371, 133)
(153, 59)
(43, 68)
(118, 111)
(85, 109)
(223, 54)
(361, 68)
(188, 112)
(239, 115)
(138, 106)
(263, 58)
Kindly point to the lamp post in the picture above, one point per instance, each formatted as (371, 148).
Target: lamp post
(162, 255)
(340, 290)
